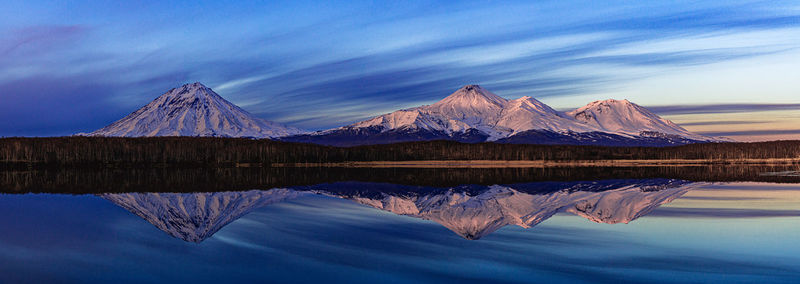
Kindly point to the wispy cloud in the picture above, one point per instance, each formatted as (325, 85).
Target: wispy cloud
(721, 108)
(724, 122)
(721, 213)
(751, 132)
(35, 39)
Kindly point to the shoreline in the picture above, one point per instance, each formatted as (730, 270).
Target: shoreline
(24, 165)
(538, 163)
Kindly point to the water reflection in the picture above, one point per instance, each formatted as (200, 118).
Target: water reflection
(679, 232)
(194, 217)
(471, 211)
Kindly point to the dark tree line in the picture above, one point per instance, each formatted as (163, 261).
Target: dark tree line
(81, 181)
(195, 151)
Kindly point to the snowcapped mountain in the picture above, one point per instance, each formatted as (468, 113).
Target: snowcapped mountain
(474, 114)
(527, 113)
(625, 117)
(193, 110)
(473, 107)
(193, 217)
(471, 114)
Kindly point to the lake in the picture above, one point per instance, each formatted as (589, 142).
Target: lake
(565, 225)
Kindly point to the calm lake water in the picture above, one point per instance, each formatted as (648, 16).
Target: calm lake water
(662, 230)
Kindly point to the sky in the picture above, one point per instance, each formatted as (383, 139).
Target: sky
(726, 68)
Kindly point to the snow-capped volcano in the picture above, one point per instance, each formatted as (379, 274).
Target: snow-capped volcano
(471, 104)
(623, 116)
(474, 114)
(193, 110)
(473, 107)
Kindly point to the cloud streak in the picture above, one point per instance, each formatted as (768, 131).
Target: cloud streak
(752, 132)
(724, 122)
(721, 213)
(30, 40)
(720, 108)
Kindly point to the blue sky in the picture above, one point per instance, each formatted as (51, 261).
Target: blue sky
(717, 67)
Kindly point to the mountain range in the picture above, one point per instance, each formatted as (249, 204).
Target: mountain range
(471, 114)
(471, 211)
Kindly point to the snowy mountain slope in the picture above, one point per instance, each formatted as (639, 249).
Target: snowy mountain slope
(193, 217)
(625, 117)
(527, 113)
(474, 114)
(471, 104)
(193, 110)
(469, 107)
(473, 107)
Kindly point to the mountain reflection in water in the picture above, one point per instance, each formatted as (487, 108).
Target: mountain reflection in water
(471, 211)
(194, 217)
(397, 226)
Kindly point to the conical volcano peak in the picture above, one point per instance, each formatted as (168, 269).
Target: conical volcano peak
(190, 86)
(195, 89)
(193, 110)
(473, 94)
(471, 102)
(472, 87)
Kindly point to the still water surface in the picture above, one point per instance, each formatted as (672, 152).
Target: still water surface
(612, 230)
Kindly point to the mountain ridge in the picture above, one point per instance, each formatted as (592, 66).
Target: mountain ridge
(474, 114)
(471, 114)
